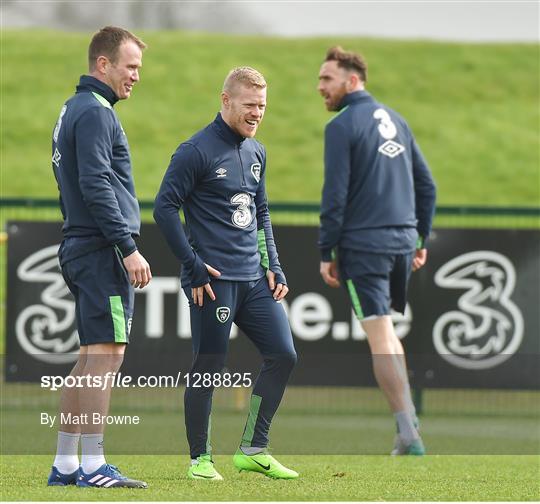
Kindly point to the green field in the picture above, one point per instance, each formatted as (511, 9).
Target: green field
(473, 107)
(329, 478)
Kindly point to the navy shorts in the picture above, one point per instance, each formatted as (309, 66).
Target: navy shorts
(375, 282)
(104, 298)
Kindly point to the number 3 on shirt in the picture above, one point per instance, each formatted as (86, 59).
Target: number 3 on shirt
(387, 128)
(59, 123)
(241, 217)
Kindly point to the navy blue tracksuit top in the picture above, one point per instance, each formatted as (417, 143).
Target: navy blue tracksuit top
(218, 178)
(378, 194)
(92, 166)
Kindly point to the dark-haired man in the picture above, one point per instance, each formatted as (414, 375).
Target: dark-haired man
(230, 268)
(378, 202)
(98, 255)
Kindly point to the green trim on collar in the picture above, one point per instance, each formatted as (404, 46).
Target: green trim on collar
(338, 114)
(102, 100)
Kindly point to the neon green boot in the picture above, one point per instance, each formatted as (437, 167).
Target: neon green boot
(263, 463)
(204, 469)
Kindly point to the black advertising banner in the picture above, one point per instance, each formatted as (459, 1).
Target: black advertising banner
(472, 318)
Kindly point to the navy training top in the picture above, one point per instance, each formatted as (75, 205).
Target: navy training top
(378, 194)
(218, 178)
(92, 166)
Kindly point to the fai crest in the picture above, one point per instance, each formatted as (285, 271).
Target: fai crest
(223, 313)
(256, 171)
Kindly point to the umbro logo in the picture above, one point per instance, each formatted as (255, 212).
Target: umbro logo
(391, 149)
(56, 157)
(221, 172)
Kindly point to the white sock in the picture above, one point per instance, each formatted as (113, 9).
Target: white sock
(67, 452)
(406, 428)
(92, 452)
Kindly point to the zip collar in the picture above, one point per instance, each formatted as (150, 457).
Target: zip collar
(354, 97)
(226, 132)
(87, 83)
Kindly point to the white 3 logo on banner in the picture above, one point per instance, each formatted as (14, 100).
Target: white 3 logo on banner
(38, 327)
(488, 328)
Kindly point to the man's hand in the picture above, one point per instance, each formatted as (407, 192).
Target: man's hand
(138, 270)
(197, 293)
(329, 273)
(280, 290)
(419, 259)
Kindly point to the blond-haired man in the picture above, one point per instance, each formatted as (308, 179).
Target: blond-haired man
(230, 268)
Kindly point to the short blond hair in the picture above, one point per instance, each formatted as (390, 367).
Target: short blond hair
(243, 75)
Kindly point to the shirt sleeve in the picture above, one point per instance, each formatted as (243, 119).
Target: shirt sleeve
(337, 168)
(184, 171)
(265, 235)
(94, 137)
(425, 194)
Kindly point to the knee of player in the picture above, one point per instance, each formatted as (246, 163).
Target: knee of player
(287, 359)
(103, 364)
(209, 363)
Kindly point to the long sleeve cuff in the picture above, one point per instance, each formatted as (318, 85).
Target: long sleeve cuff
(278, 272)
(326, 255)
(421, 242)
(197, 273)
(127, 246)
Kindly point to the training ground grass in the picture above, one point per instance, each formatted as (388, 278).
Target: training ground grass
(328, 478)
(334, 429)
(473, 107)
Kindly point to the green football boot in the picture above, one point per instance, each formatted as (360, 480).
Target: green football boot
(204, 469)
(263, 463)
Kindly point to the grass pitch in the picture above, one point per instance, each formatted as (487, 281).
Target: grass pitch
(328, 478)
(339, 433)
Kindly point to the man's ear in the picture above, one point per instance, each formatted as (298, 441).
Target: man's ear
(352, 82)
(102, 63)
(225, 99)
